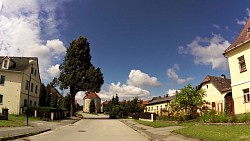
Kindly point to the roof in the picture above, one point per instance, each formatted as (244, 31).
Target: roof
(105, 102)
(144, 102)
(20, 63)
(54, 90)
(221, 84)
(160, 100)
(243, 37)
(91, 95)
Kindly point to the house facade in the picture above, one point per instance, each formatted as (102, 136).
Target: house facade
(217, 90)
(14, 83)
(87, 99)
(159, 105)
(238, 55)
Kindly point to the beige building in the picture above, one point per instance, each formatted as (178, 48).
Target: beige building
(238, 54)
(218, 90)
(87, 99)
(14, 83)
(159, 105)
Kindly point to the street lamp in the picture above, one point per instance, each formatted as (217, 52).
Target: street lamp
(31, 62)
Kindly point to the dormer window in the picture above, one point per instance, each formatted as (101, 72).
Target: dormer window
(5, 64)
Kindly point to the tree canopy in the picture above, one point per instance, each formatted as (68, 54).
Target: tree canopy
(77, 72)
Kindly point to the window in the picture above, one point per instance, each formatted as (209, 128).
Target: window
(5, 64)
(207, 86)
(35, 103)
(25, 102)
(2, 79)
(246, 95)
(36, 89)
(27, 85)
(1, 99)
(32, 70)
(242, 64)
(32, 87)
(31, 103)
(35, 73)
(156, 107)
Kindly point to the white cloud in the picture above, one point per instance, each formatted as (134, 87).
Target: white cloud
(124, 91)
(141, 79)
(209, 51)
(23, 26)
(171, 73)
(79, 97)
(216, 26)
(135, 86)
(54, 70)
(244, 20)
(172, 92)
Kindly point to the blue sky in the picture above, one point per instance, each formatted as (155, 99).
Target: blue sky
(144, 48)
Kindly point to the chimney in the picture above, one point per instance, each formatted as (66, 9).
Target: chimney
(223, 76)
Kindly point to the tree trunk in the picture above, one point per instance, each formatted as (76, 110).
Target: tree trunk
(72, 105)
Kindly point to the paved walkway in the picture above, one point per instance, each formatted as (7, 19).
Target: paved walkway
(157, 134)
(37, 127)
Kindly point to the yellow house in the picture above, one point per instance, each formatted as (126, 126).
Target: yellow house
(87, 99)
(14, 83)
(159, 105)
(238, 55)
(218, 90)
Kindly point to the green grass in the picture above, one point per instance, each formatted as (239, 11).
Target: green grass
(217, 132)
(156, 124)
(15, 121)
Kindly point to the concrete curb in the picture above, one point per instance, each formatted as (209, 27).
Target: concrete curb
(12, 137)
(138, 129)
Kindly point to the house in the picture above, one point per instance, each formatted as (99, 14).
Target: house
(104, 106)
(238, 55)
(218, 90)
(159, 105)
(87, 99)
(14, 83)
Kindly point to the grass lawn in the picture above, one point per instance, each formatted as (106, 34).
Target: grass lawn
(157, 123)
(217, 132)
(207, 132)
(15, 121)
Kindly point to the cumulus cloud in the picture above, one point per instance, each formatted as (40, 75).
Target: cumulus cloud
(54, 70)
(124, 91)
(30, 28)
(244, 20)
(141, 79)
(136, 86)
(216, 26)
(171, 73)
(208, 51)
(172, 92)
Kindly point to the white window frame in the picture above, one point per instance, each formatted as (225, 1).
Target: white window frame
(246, 95)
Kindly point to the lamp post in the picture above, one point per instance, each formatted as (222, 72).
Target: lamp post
(31, 62)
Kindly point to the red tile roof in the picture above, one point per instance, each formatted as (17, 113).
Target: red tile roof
(91, 95)
(243, 37)
(221, 84)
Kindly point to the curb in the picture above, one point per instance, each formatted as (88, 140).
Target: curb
(22, 135)
(137, 129)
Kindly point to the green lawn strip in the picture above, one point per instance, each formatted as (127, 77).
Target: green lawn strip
(217, 132)
(15, 121)
(156, 124)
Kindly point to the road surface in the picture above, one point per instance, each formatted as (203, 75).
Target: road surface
(90, 130)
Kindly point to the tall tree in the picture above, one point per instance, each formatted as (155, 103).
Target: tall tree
(77, 72)
(92, 106)
(189, 99)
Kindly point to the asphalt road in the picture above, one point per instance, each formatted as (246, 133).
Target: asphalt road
(90, 130)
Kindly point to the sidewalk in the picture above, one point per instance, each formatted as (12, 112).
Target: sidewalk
(157, 134)
(37, 127)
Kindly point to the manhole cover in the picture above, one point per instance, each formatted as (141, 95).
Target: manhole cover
(81, 131)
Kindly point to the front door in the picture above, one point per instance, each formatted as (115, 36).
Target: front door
(229, 104)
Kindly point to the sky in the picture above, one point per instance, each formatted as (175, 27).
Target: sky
(144, 48)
